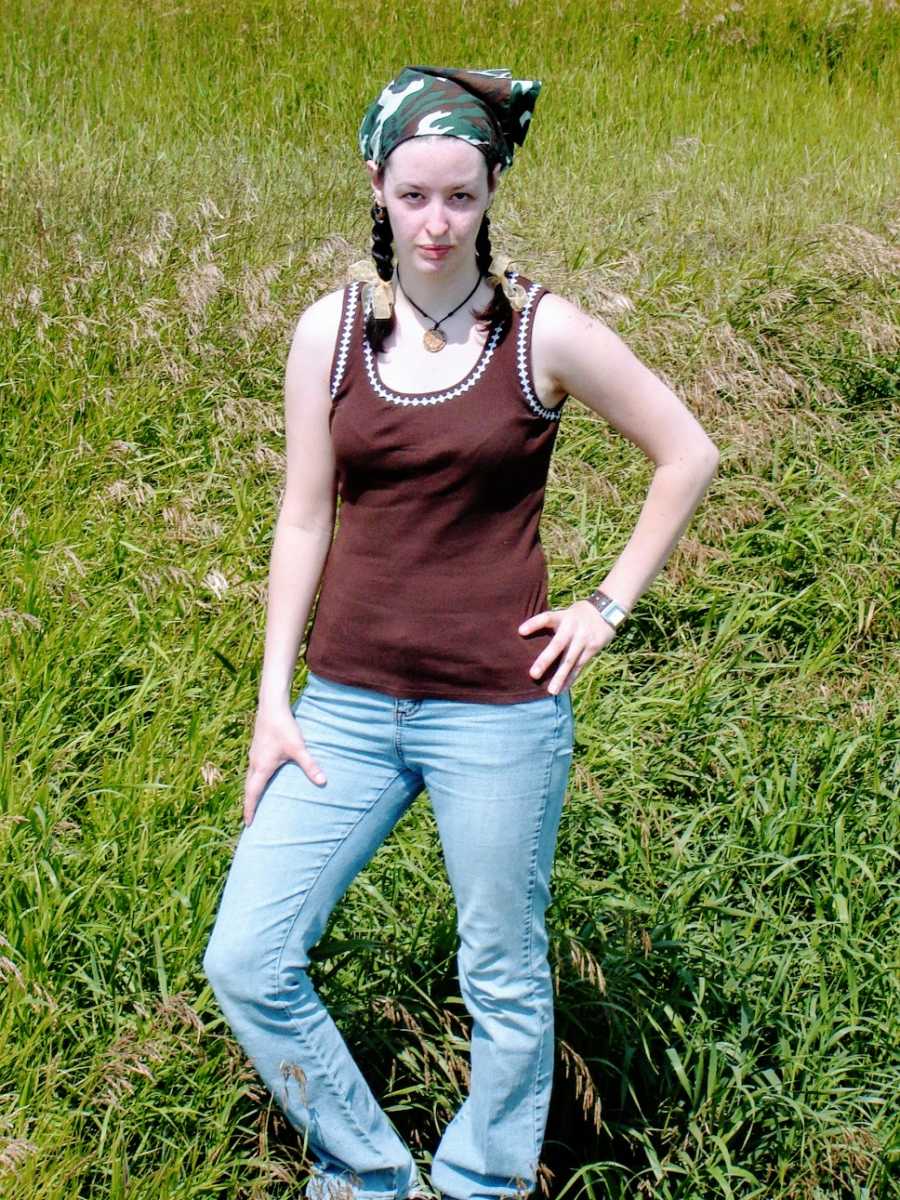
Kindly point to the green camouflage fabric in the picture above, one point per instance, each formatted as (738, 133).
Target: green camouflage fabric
(485, 108)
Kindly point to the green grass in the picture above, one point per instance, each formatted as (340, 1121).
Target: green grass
(177, 181)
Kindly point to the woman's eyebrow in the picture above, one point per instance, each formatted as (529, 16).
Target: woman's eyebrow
(453, 187)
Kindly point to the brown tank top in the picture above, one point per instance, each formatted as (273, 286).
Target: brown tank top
(437, 558)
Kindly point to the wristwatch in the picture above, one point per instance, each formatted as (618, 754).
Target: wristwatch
(611, 612)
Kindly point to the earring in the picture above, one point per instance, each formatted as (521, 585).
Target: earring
(379, 212)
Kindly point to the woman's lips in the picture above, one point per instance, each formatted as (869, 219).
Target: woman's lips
(435, 251)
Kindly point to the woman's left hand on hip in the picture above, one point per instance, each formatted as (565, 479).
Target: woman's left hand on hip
(579, 633)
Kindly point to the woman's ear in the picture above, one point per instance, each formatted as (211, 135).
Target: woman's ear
(376, 178)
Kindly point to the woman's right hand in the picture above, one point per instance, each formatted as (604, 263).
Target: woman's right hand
(276, 739)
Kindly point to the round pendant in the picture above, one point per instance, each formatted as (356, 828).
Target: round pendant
(434, 340)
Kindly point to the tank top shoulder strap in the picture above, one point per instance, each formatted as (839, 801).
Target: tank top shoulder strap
(341, 364)
(522, 330)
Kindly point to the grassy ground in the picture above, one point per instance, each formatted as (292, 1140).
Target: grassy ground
(177, 180)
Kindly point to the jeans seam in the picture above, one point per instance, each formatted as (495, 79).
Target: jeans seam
(531, 887)
(397, 750)
(342, 1100)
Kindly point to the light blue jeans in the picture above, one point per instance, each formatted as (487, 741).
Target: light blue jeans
(496, 778)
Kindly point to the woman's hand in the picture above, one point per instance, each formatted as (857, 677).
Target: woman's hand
(580, 632)
(276, 739)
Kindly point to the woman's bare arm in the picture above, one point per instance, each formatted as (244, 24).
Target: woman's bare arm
(305, 524)
(582, 357)
(303, 533)
(592, 363)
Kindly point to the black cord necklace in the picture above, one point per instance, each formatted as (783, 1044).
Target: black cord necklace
(435, 339)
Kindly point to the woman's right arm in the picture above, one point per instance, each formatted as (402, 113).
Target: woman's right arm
(303, 533)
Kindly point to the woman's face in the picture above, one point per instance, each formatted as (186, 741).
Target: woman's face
(436, 190)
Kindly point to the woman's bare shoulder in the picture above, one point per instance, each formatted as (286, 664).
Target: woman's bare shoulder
(562, 328)
(556, 313)
(317, 326)
(557, 326)
(312, 347)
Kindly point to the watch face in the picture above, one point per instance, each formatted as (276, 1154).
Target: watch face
(614, 615)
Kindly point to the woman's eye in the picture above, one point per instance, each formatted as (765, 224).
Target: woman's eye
(417, 195)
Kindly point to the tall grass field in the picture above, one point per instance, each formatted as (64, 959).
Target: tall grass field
(718, 182)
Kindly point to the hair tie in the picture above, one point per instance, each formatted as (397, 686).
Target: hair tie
(499, 274)
(378, 291)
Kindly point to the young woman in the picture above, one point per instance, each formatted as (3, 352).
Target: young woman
(429, 400)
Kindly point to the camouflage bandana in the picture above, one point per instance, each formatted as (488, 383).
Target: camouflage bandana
(485, 108)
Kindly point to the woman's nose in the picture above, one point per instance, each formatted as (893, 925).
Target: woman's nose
(437, 220)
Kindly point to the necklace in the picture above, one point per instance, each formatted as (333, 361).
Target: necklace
(435, 339)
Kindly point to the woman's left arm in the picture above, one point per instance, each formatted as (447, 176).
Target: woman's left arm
(586, 359)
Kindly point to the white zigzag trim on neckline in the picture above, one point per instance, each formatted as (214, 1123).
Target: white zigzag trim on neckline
(463, 386)
(552, 414)
(340, 365)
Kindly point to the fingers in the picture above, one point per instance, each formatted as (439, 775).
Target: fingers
(565, 680)
(311, 767)
(570, 661)
(560, 641)
(253, 787)
(258, 775)
(580, 633)
(538, 621)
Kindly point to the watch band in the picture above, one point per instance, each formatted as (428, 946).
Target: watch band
(611, 612)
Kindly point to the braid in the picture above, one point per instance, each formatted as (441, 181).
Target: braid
(382, 243)
(499, 309)
(383, 254)
(483, 254)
